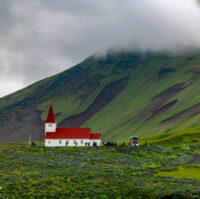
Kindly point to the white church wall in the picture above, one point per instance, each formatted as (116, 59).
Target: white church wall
(62, 142)
(50, 127)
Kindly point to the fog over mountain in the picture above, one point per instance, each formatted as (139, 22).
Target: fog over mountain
(41, 38)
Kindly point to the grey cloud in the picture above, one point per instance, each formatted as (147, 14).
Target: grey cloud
(40, 38)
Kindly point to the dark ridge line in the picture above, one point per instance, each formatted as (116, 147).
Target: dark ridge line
(176, 87)
(161, 98)
(105, 97)
(190, 112)
(163, 109)
(57, 114)
(157, 101)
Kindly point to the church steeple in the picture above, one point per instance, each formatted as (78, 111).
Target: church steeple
(50, 117)
(50, 123)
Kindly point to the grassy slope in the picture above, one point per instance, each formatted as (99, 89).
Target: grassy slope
(143, 86)
(173, 139)
(72, 91)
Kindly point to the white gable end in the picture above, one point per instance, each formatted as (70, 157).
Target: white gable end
(50, 127)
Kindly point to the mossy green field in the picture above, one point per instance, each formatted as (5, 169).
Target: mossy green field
(182, 172)
(174, 138)
(90, 172)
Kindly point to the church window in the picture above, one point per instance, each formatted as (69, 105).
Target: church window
(81, 141)
(49, 142)
(74, 141)
(60, 141)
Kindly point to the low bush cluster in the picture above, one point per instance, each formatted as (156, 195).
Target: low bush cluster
(90, 172)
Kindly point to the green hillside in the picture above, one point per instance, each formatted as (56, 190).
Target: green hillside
(184, 138)
(119, 95)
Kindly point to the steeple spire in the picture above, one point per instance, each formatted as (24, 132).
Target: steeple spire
(50, 118)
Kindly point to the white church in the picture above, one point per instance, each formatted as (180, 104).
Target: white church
(62, 137)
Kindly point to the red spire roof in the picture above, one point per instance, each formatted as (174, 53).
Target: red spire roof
(51, 118)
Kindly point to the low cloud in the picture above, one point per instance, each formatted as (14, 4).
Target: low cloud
(40, 38)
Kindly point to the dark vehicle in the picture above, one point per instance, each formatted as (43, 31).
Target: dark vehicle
(134, 141)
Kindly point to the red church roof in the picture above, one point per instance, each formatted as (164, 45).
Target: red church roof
(51, 118)
(95, 136)
(69, 133)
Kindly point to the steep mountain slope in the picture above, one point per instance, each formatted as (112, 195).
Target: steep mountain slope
(118, 95)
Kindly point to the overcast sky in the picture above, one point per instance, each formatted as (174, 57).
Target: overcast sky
(39, 38)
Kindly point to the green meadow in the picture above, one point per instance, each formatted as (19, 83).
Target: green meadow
(182, 172)
(156, 171)
(174, 138)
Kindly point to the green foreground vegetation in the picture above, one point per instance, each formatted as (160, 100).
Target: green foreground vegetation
(90, 172)
(182, 172)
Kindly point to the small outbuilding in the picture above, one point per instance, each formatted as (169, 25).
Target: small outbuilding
(60, 137)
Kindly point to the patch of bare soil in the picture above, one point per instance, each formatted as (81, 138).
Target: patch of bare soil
(21, 125)
(154, 109)
(105, 97)
(162, 109)
(160, 99)
(183, 115)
